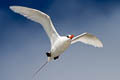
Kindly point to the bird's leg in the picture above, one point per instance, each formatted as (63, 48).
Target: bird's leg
(56, 57)
(48, 54)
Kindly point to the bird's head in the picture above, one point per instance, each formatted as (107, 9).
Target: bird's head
(70, 36)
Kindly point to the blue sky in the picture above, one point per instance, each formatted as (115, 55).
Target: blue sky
(23, 43)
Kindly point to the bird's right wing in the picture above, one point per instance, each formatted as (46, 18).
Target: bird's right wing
(87, 39)
(39, 17)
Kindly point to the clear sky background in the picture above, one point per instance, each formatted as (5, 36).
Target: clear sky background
(23, 43)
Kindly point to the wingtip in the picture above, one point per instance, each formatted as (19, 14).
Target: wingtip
(100, 45)
(12, 7)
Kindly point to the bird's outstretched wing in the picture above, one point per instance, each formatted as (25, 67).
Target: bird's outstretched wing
(39, 17)
(88, 39)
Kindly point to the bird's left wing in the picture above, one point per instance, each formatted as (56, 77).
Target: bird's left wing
(39, 17)
(88, 39)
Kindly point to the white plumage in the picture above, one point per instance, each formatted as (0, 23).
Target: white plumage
(87, 39)
(58, 43)
(38, 17)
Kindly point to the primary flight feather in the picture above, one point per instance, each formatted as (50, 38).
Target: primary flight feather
(38, 17)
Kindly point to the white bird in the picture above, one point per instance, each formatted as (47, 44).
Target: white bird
(58, 43)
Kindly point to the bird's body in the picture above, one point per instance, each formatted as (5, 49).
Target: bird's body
(58, 43)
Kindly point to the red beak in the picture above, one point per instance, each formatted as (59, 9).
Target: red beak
(71, 36)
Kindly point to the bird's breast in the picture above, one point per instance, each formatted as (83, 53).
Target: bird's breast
(60, 46)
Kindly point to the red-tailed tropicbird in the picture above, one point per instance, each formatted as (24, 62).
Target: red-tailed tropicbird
(58, 43)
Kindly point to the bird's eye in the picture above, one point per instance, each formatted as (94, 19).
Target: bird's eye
(67, 36)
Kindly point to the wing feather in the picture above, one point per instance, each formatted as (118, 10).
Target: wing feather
(39, 17)
(88, 39)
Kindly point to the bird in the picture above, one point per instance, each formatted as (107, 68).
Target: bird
(58, 43)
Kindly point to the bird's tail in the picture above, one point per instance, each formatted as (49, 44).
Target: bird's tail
(40, 69)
